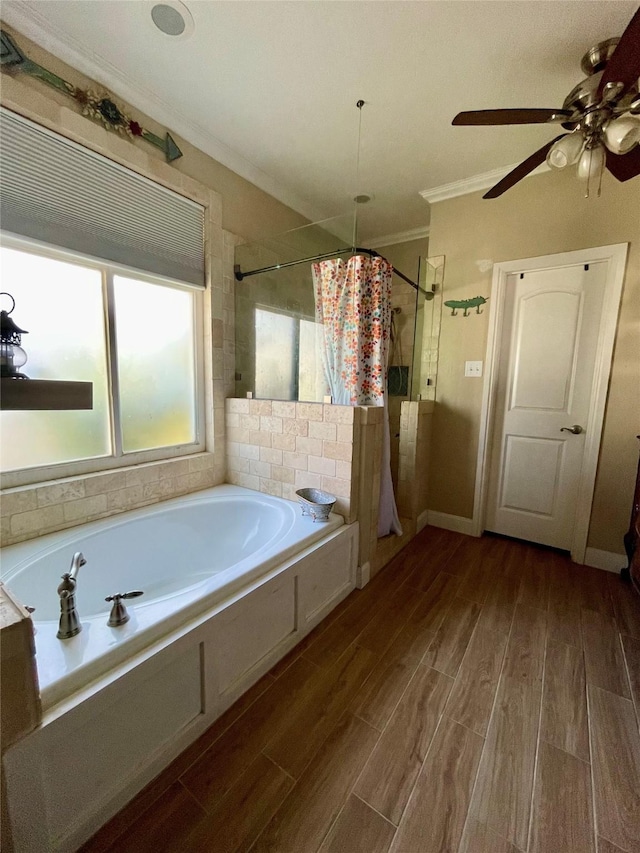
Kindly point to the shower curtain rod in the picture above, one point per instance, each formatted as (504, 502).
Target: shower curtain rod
(353, 250)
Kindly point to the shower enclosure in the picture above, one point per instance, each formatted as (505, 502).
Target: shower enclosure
(279, 344)
(278, 348)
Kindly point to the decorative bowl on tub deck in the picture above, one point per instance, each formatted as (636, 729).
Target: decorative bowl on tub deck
(316, 503)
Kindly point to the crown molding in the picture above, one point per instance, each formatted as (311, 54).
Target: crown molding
(26, 20)
(400, 237)
(476, 182)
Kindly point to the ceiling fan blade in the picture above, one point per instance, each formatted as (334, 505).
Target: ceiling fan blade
(624, 65)
(624, 166)
(517, 116)
(522, 170)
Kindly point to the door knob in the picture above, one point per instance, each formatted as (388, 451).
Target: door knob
(576, 429)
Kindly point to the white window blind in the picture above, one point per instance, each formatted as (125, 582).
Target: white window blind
(56, 191)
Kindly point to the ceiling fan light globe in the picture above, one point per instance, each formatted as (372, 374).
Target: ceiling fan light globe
(622, 134)
(591, 162)
(565, 151)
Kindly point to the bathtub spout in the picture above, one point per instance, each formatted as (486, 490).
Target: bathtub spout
(77, 561)
(69, 620)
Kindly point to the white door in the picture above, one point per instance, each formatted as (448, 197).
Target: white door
(545, 380)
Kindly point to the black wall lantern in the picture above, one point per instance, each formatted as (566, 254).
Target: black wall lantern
(12, 356)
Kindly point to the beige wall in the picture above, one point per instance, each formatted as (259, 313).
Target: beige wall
(544, 214)
(405, 256)
(247, 211)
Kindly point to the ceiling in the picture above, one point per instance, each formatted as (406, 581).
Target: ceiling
(270, 88)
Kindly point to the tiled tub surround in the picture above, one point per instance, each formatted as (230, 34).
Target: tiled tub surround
(279, 447)
(33, 511)
(113, 735)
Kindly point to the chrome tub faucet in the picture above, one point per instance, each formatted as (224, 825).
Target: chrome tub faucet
(69, 619)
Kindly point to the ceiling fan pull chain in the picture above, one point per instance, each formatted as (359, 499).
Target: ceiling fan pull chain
(600, 178)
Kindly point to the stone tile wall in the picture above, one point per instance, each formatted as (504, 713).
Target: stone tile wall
(278, 447)
(32, 511)
(413, 469)
(20, 710)
(430, 349)
(411, 494)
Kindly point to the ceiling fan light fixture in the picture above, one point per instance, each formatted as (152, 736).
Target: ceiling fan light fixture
(622, 134)
(565, 151)
(591, 162)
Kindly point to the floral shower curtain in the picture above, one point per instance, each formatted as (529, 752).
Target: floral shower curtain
(353, 304)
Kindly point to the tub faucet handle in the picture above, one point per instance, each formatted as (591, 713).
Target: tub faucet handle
(119, 615)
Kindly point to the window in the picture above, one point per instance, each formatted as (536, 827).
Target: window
(134, 336)
(287, 365)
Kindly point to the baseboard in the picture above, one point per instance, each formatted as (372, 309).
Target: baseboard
(607, 560)
(423, 520)
(363, 575)
(457, 523)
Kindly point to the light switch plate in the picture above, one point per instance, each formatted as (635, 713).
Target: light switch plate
(473, 368)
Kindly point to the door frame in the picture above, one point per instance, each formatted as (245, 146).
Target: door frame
(615, 256)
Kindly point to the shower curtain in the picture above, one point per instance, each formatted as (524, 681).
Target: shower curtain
(353, 304)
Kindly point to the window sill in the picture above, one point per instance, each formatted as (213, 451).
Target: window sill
(44, 395)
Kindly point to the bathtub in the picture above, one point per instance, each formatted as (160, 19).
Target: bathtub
(232, 580)
(186, 554)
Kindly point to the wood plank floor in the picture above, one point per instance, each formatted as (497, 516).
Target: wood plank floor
(478, 696)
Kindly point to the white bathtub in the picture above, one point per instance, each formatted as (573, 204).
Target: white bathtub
(233, 579)
(186, 554)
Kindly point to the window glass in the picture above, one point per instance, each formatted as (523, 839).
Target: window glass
(156, 364)
(61, 306)
(276, 355)
(288, 357)
(312, 385)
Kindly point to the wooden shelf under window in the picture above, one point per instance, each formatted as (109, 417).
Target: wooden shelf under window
(33, 394)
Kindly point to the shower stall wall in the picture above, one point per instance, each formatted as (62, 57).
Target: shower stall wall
(281, 347)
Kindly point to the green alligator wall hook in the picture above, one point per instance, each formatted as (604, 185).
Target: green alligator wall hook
(476, 302)
(99, 107)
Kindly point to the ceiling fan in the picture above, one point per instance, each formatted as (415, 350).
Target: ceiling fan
(601, 115)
